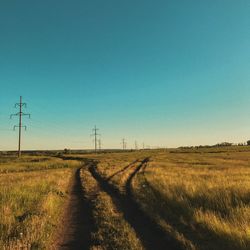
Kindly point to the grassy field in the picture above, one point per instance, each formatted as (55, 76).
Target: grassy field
(199, 198)
(31, 163)
(31, 200)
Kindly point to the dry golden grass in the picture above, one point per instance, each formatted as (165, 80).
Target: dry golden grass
(31, 200)
(30, 207)
(201, 197)
(111, 229)
(116, 167)
(203, 200)
(33, 163)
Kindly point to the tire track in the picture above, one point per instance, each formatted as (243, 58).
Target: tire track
(151, 235)
(122, 170)
(77, 220)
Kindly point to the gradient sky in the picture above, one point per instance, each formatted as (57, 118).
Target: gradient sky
(163, 72)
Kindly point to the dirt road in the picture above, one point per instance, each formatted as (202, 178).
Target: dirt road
(79, 223)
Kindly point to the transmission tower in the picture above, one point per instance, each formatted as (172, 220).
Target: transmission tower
(124, 144)
(20, 114)
(95, 134)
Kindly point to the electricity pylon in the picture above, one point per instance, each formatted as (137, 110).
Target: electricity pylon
(124, 144)
(20, 114)
(95, 134)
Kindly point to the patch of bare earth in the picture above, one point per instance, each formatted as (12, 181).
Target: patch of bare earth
(75, 229)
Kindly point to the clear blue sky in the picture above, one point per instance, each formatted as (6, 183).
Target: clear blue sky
(163, 72)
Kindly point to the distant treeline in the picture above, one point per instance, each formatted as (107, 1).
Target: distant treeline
(62, 152)
(222, 144)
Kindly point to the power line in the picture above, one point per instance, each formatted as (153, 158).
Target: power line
(95, 134)
(20, 114)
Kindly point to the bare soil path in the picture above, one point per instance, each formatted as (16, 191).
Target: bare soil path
(77, 220)
(151, 236)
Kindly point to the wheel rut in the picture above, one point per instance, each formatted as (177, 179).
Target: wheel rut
(77, 220)
(122, 170)
(151, 235)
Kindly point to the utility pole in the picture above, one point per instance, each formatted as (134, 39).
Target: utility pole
(124, 144)
(20, 114)
(95, 134)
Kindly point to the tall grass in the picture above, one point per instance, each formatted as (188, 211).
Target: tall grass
(27, 163)
(200, 196)
(30, 207)
(31, 200)
(204, 201)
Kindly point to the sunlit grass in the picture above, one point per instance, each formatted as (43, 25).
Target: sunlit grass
(201, 197)
(33, 163)
(203, 200)
(31, 200)
(30, 207)
(111, 229)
